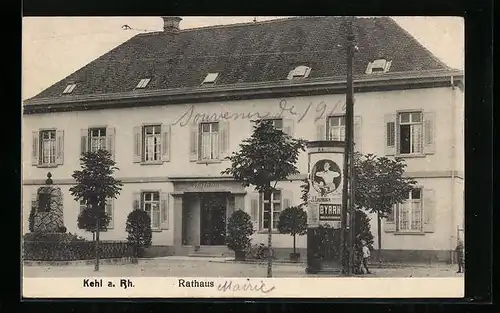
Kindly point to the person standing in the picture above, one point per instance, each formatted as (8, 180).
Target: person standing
(460, 256)
(366, 255)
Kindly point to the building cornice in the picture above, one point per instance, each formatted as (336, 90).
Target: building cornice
(319, 86)
(179, 179)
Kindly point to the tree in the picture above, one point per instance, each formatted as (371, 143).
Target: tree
(267, 157)
(139, 231)
(87, 220)
(380, 184)
(293, 221)
(94, 185)
(239, 230)
(363, 232)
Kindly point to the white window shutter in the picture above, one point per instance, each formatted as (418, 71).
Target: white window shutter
(390, 220)
(165, 142)
(84, 141)
(286, 199)
(429, 210)
(223, 139)
(357, 133)
(254, 209)
(35, 150)
(193, 142)
(164, 203)
(59, 147)
(109, 212)
(110, 141)
(288, 126)
(320, 128)
(137, 144)
(136, 201)
(429, 133)
(390, 134)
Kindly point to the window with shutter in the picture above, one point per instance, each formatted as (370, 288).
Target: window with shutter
(209, 141)
(335, 128)
(271, 209)
(410, 133)
(150, 202)
(50, 147)
(151, 143)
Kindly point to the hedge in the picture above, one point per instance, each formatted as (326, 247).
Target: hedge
(69, 247)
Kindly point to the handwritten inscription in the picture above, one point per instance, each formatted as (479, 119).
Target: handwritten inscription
(320, 110)
(229, 285)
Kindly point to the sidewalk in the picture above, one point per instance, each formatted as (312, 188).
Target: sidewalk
(215, 267)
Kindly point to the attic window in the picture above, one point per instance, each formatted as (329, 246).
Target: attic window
(378, 66)
(69, 88)
(299, 72)
(210, 78)
(143, 83)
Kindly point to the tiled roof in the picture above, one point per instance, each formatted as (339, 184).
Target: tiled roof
(247, 53)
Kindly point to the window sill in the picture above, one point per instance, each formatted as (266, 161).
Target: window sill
(209, 162)
(265, 232)
(156, 230)
(408, 156)
(47, 165)
(151, 162)
(399, 233)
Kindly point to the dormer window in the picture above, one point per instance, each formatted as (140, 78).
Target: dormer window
(211, 78)
(143, 83)
(69, 88)
(378, 66)
(299, 72)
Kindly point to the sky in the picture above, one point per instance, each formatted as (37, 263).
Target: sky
(55, 47)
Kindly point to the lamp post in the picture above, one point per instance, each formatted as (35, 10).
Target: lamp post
(348, 236)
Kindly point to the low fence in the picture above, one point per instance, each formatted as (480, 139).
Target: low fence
(62, 250)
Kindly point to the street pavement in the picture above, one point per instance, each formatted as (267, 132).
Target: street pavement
(205, 267)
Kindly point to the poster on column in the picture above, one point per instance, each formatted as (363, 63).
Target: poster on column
(325, 192)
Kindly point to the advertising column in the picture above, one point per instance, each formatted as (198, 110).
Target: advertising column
(326, 161)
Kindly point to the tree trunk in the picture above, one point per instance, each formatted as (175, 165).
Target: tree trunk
(97, 242)
(294, 252)
(269, 238)
(379, 235)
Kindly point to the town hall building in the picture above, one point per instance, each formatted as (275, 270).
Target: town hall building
(171, 105)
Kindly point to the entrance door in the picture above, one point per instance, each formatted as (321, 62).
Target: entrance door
(213, 219)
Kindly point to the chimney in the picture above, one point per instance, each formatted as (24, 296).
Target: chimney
(171, 23)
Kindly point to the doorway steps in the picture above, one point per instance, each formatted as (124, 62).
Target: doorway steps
(211, 252)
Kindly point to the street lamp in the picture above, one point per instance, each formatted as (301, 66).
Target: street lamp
(348, 187)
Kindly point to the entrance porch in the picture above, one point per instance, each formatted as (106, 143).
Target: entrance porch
(201, 213)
